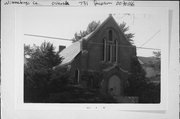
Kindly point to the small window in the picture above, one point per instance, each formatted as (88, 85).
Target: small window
(77, 76)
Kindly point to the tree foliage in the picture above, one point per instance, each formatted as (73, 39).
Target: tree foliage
(93, 79)
(45, 84)
(75, 93)
(157, 54)
(157, 63)
(147, 92)
(124, 28)
(136, 79)
(38, 69)
(65, 90)
(90, 28)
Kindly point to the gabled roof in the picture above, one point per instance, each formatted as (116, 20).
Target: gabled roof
(69, 53)
(147, 60)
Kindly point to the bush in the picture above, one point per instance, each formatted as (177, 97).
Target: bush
(74, 94)
(150, 93)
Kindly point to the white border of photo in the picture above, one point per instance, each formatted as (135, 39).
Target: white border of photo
(19, 62)
(12, 105)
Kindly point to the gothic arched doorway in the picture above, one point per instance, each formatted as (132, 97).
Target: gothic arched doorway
(114, 86)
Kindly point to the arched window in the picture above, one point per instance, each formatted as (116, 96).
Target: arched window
(110, 35)
(110, 48)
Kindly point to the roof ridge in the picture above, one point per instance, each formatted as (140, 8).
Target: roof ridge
(97, 28)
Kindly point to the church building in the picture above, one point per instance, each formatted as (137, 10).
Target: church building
(107, 51)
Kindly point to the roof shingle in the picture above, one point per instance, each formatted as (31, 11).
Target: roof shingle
(69, 53)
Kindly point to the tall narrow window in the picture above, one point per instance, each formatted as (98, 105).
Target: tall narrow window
(116, 46)
(114, 51)
(104, 49)
(109, 52)
(110, 35)
(77, 76)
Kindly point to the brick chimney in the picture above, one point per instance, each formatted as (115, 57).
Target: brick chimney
(61, 47)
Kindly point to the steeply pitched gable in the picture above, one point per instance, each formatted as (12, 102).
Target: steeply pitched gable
(73, 50)
(110, 18)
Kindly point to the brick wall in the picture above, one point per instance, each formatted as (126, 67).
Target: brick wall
(94, 46)
(91, 55)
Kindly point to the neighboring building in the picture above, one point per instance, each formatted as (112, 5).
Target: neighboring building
(105, 50)
(149, 64)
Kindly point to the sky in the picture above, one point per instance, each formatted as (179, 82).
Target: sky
(64, 22)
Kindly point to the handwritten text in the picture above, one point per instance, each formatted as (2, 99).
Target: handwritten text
(68, 2)
(60, 3)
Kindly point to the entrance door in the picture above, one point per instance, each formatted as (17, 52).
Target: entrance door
(114, 86)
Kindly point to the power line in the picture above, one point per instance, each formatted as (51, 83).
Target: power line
(148, 48)
(48, 37)
(91, 42)
(150, 38)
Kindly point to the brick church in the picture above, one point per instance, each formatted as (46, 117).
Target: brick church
(105, 50)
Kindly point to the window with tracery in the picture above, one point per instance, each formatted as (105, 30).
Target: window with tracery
(110, 48)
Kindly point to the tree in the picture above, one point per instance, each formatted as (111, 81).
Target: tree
(42, 56)
(146, 91)
(157, 54)
(124, 28)
(157, 63)
(90, 28)
(93, 25)
(136, 80)
(38, 70)
(27, 50)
